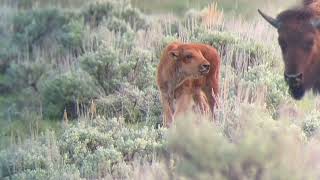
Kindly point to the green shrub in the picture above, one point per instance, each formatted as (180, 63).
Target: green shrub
(133, 104)
(72, 34)
(36, 159)
(7, 51)
(139, 68)
(94, 13)
(261, 76)
(118, 25)
(128, 82)
(202, 152)
(26, 74)
(134, 17)
(236, 47)
(71, 91)
(96, 148)
(65, 172)
(103, 65)
(97, 12)
(110, 69)
(32, 155)
(99, 148)
(311, 124)
(46, 28)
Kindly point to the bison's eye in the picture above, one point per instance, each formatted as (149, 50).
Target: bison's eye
(283, 44)
(307, 45)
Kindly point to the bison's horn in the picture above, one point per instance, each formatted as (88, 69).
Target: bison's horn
(316, 23)
(274, 22)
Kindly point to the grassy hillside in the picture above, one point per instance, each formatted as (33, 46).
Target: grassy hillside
(78, 98)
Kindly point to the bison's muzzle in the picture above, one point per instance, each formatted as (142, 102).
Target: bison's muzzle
(296, 88)
(293, 80)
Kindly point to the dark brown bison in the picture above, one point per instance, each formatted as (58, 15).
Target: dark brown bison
(299, 39)
(188, 77)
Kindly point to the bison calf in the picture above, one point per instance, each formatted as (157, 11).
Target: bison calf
(188, 78)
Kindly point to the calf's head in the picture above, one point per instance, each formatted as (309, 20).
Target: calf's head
(189, 61)
(299, 42)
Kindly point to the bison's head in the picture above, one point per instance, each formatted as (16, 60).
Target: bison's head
(299, 42)
(190, 62)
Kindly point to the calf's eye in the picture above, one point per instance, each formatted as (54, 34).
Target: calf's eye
(189, 56)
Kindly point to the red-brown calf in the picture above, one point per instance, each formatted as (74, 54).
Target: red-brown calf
(188, 78)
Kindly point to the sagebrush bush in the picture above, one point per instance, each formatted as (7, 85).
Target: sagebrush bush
(118, 25)
(139, 68)
(134, 17)
(103, 65)
(128, 81)
(133, 104)
(41, 27)
(71, 35)
(26, 74)
(201, 151)
(65, 172)
(70, 90)
(94, 13)
(274, 83)
(100, 147)
(32, 155)
(311, 124)
(7, 50)
(97, 12)
(235, 46)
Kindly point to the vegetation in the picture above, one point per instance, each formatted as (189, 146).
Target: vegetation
(78, 97)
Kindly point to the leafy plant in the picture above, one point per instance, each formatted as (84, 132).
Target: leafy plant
(70, 91)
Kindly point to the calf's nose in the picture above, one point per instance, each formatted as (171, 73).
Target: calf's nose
(205, 67)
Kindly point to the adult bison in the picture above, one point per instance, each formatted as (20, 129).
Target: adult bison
(188, 78)
(299, 39)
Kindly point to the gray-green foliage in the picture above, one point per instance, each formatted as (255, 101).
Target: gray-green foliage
(98, 148)
(203, 152)
(31, 159)
(62, 32)
(103, 65)
(128, 81)
(251, 52)
(103, 146)
(97, 12)
(70, 90)
(260, 76)
(25, 74)
(311, 124)
(42, 27)
(7, 50)
(132, 103)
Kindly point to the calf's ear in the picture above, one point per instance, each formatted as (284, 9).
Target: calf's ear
(174, 54)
